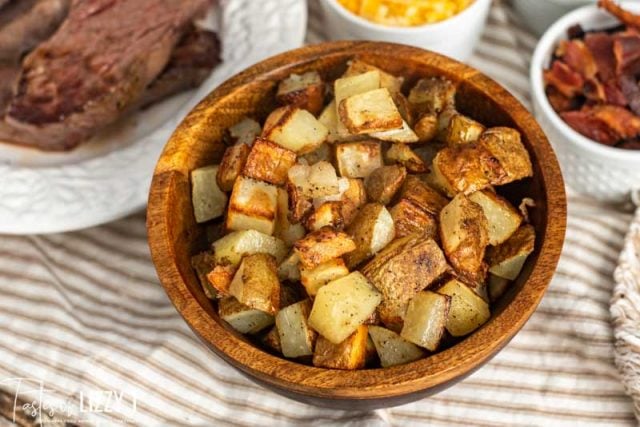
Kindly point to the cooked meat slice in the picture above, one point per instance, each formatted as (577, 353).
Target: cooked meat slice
(631, 91)
(623, 15)
(626, 48)
(576, 55)
(601, 47)
(562, 77)
(604, 123)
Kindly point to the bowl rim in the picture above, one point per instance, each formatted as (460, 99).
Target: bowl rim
(372, 384)
(540, 59)
(439, 25)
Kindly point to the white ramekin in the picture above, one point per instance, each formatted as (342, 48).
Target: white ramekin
(605, 173)
(455, 37)
(538, 15)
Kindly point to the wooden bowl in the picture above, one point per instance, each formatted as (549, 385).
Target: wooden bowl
(174, 235)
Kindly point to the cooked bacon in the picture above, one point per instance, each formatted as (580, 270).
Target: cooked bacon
(614, 94)
(594, 90)
(631, 90)
(564, 79)
(576, 55)
(607, 124)
(601, 47)
(624, 16)
(626, 50)
(558, 101)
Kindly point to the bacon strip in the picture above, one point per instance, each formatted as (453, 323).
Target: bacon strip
(624, 16)
(607, 124)
(567, 81)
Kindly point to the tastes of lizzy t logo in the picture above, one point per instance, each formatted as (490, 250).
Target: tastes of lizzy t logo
(31, 397)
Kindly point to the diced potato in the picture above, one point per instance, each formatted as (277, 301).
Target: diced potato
(328, 214)
(242, 318)
(409, 219)
(466, 168)
(405, 267)
(497, 286)
(507, 259)
(358, 159)
(383, 183)
(467, 312)
(464, 235)
(256, 283)
(372, 230)
(316, 180)
(404, 135)
(368, 112)
(404, 108)
(426, 128)
(343, 305)
(323, 245)
(244, 132)
(356, 84)
(272, 340)
(352, 199)
(502, 218)
(231, 165)
(253, 206)
(402, 154)
(314, 278)
(304, 91)
(289, 269)
(423, 196)
(444, 118)
(202, 264)
(269, 162)
(296, 337)
(505, 145)
(343, 186)
(231, 248)
(432, 95)
(349, 354)
(320, 154)
(424, 323)
(392, 349)
(295, 129)
(436, 180)
(299, 204)
(209, 201)
(220, 278)
(329, 118)
(286, 231)
(463, 130)
(389, 81)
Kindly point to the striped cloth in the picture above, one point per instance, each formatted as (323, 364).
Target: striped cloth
(87, 328)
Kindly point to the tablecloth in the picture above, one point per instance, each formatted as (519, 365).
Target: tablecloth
(88, 336)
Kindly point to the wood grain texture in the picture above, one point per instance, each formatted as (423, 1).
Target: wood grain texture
(174, 236)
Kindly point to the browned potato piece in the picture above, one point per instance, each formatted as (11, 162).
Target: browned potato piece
(232, 247)
(349, 354)
(405, 267)
(328, 214)
(426, 128)
(425, 320)
(409, 219)
(322, 245)
(389, 81)
(432, 95)
(299, 205)
(392, 349)
(317, 180)
(383, 183)
(208, 200)
(315, 278)
(272, 340)
(296, 336)
(402, 154)
(463, 130)
(505, 145)
(243, 132)
(468, 310)
(358, 159)
(242, 318)
(422, 195)
(403, 106)
(231, 165)
(220, 278)
(289, 269)
(507, 259)
(294, 129)
(202, 264)
(502, 218)
(368, 112)
(252, 206)
(304, 91)
(466, 168)
(372, 230)
(352, 199)
(288, 232)
(269, 162)
(256, 283)
(464, 235)
(403, 135)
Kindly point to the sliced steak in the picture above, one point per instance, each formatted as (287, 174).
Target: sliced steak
(98, 63)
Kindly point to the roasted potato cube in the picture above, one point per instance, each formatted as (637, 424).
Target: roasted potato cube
(296, 337)
(402, 269)
(314, 278)
(404, 107)
(256, 283)
(383, 183)
(289, 269)
(463, 130)
(202, 264)
(426, 128)
(209, 201)
(468, 311)
(323, 245)
(409, 219)
(502, 218)
(368, 112)
(231, 165)
(497, 287)
(304, 91)
(220, 278)
(358, 159)
(253, 206)
(317, 180)
(347, 86)
(402, 154)
(299, 204)
(392, 349)
(295, 129)
(272, 340)
(242, 318)
(436, 180)
(389, 81)
(328, 214)
(465, 169)
(231, 248)
(422, 195)
(349, 354)
(329, 118)
(424, 323)
(352, 199)
(372, 230)
(288, 232)
(505, 145)
(342, 305)
(404, 135)
(320, 154)
(243, 132)
(464, 235)
(507, 259)
(432, 95)
(269, 162)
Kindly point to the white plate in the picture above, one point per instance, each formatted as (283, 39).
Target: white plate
(109, 177)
